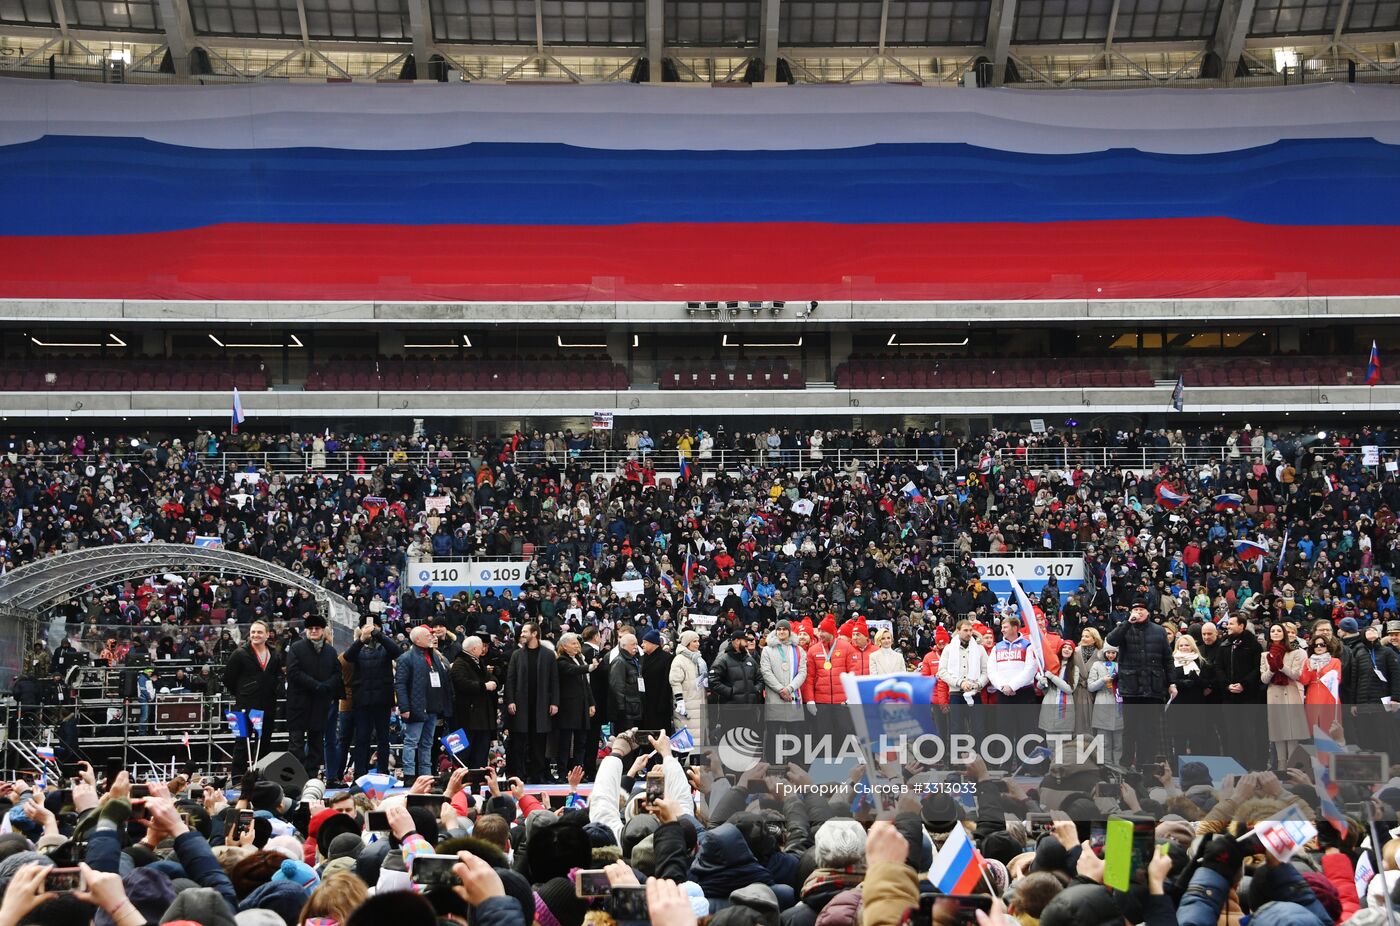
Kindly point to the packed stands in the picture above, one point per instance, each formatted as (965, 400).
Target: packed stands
(592, 371)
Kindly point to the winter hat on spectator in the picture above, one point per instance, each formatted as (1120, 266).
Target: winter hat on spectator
(1194, 773)
(940, 812)
(1001, 846)
(204, 906)
(652, 637)
(688, 637)
(839, 843)
(759, 898)
(600, 835)
(313, 829)
(299, 873)
(266, 795)
(345, 845)
(370, 860)
(644, 856)
(285, 898)
(536, 821)
(1082, 905)
(285, 845)
(333, 827)
(502, 805)
(828, 625)
(149, 891)
(556, 903)
(1349, 625)
(425, 823)
(1326, 893)
(257, 918)
(15, 862)
(402, 908)
(941, 636)
(637, 829)
(557, 850)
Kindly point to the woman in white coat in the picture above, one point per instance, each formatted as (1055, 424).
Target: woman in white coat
(815, 443)
(689, 678)
(886, 659)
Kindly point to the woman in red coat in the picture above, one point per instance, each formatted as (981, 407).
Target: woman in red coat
(1322, 682)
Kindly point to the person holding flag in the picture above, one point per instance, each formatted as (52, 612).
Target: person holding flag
(1144, 678)
(253, 677)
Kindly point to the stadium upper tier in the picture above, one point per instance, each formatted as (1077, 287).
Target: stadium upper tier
(624, 193)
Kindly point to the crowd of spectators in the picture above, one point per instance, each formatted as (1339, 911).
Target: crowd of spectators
(1249, 584)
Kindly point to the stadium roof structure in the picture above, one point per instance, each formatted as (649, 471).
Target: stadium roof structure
(1028, 43)
(38, 584)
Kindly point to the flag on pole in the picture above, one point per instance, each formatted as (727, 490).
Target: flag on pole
(685, 468)
(187, 739)
(1324, 743)
(1286, 834)
(237, 417)
(1168, 498)
(1247, 551)
(237, 723)
(456, 741)
(1032, 625)
(45, 752)
(1283, 548)
(1327, 796)
(1373, 367)
(1228, 501)
(255, 718)
(958, 867)
(1108, 581)
(375, 785)
(1179, 393)
(1365, 871)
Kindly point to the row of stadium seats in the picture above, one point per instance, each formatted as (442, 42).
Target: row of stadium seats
(1269, 371)
(747, 373)
(62, 373)
(450, 375)
(885, 371)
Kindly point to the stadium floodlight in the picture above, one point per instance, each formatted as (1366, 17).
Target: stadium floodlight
(812, 309)
(776, 309)
(713, 307)
(733, 308)
(755, 308)
(692, 309)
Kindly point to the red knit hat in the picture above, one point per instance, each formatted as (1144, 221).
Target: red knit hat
(981, 629)
(941, 637)
(828, 624)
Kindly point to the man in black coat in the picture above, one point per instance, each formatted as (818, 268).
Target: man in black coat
(658, 707)
(313, 687)
(371, 658)
(253, 677)
(475, 701)
(735, 678)
(532, 701)
(625, 685)
(595, 653)
(1144, 678)
(1243, 723)
(1376, 677)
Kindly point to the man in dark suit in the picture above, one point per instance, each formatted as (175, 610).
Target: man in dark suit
(532, 701)
(313, 686)
(475, 701)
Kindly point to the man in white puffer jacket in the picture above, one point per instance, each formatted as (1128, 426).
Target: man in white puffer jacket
(963, 668)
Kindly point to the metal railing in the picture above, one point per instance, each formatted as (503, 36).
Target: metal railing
(607, 461)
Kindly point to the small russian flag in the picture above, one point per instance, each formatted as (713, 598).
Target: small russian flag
(1250, 550)
(236, 417)
(685, 468)
(1168, 498)
(456, 741)
(1228, 501)
(376, 785)
(1373, 367)
(958, 867)
(45, 752)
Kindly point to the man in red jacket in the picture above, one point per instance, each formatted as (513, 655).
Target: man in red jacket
(828, 660)
(858, 633)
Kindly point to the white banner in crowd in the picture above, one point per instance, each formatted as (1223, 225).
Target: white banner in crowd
(437, 502)
(629, 588)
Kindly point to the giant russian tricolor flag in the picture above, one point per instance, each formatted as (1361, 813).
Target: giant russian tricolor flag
(636, 193)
